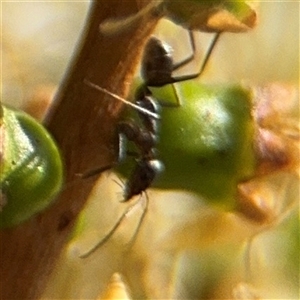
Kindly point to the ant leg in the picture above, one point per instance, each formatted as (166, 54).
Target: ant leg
(140, 223)
(191, 76)
(142, 138)
(170, 104)
(178, 103)
(206, 59)
(127, 131)
(189, 58)
(99, 170)
(95, 172)
(208, 54)
(115, 227)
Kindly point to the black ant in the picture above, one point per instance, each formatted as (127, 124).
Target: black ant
(157, 69)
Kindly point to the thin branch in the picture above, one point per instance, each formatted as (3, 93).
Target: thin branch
(82, 121)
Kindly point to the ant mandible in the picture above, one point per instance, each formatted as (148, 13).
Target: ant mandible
(156, 70)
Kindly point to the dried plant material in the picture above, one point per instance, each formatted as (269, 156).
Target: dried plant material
(274, 188)
(268, 199)
(206, 229)
(278, 133)
(244, 291)
(116, 289)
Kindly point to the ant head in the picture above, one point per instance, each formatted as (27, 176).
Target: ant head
(142, 177)
(157, 63)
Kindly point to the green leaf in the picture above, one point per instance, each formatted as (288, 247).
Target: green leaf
(211, 16)
(206, 142)
(215, 15)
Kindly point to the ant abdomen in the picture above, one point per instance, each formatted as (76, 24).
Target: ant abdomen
(157, 66)
(142, 177)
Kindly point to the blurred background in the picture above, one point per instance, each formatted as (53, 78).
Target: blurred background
(186, 249)
(39, 39)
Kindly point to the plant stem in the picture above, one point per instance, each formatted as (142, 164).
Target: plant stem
(82, 121)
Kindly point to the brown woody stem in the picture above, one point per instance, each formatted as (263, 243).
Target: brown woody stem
(82, 121)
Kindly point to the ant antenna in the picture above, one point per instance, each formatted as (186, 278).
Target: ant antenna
(107, 236)
(140, 223)
(115, 227)
(137, 107)
(120, 184)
